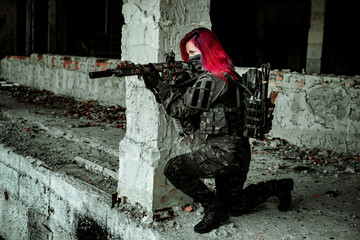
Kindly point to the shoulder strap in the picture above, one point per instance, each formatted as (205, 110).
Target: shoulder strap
(189, 81)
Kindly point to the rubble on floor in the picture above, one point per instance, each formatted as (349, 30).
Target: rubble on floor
(304, 160)
(91, 110)
(78, 137)
(325, 199)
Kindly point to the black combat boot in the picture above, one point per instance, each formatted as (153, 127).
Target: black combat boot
(212, 219)
(285, 195)
(254, 195)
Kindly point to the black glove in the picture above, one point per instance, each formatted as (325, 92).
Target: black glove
(151, 77)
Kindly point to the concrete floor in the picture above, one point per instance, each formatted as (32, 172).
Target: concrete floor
(326, 198)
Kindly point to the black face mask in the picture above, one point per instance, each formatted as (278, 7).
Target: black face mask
(196, 61)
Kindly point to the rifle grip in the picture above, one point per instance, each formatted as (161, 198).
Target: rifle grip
(101, 74)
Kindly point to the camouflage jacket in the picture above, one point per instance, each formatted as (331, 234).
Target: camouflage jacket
(210, 104)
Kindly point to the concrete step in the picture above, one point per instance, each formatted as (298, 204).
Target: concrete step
(46, 134)
(42, 202)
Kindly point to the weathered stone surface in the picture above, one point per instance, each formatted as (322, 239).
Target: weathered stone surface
(66, 75)
(317, 111)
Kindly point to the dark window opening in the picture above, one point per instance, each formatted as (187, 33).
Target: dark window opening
(94, 28)
(341, 48)
(40, 26)
(256, 32)
(21, 27)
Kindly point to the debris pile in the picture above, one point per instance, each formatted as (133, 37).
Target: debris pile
(91, 110)
(305, 160)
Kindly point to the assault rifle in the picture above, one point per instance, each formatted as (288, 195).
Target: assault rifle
(258, 108)
(177, 73)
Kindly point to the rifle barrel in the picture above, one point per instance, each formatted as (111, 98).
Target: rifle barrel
(101, 74)
(130, 69)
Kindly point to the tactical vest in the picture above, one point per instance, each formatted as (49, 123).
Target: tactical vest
(220, 114)
(251, 116)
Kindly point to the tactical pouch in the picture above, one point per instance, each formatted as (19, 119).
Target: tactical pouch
(214, 122)
(200, 94)
(253, 118)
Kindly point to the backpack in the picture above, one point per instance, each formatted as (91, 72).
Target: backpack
(258, 108)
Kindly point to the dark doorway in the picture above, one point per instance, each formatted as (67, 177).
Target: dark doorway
(259, 31)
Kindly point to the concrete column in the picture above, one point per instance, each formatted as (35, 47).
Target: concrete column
(7, 28)
(151, 28)
(29, 27)
(316, 35)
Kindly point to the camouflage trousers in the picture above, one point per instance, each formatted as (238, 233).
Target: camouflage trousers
(225, 158)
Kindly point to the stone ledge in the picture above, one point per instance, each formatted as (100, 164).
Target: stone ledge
(63, 200)
(68, 75)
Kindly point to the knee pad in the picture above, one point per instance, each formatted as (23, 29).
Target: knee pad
(169, 168)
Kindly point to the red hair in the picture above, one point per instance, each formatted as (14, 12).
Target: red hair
(213, 56)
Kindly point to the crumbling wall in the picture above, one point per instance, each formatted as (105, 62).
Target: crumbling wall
(66, 75)
(311, 110)
(317, 111)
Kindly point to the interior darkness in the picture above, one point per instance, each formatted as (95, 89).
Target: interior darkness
(252, 32)
(341, 46)
(21, 27)
(94, 28)
(84, 27)
(260, 31)
(40, 26)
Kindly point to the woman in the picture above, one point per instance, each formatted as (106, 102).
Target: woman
(211, 111)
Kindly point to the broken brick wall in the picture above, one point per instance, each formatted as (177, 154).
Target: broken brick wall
(66, 75)
(311, 110)
(317, 111)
